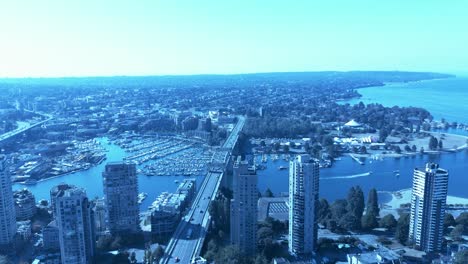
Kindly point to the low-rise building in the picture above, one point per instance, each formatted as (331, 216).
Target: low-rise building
(50, 237)
(274, 207)
(165, 213)
(25, 204)
(377, 257)
(188, 188)
(23, 230)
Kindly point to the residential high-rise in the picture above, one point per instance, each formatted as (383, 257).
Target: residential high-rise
(244, 207)
(7, 206)
(121, 197)
(428, 202)
(303, 202)
(56, 190)
(74, 219)
(25, 204)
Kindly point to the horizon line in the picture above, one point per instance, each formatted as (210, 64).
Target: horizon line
(225, 74)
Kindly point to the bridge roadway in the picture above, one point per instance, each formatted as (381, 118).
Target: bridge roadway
(23, 129)
(188, 238)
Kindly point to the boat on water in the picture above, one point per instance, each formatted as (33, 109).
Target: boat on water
(141, 197)
(282, 168)
(30, 182)
(176, 182)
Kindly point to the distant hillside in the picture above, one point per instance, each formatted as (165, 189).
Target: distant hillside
(365, 78)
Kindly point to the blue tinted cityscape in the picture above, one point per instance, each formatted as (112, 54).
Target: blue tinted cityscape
(248, 133)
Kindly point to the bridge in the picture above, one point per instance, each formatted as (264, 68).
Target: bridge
(23, 128)
(187, 241)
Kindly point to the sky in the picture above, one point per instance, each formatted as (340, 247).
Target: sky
(107, 38)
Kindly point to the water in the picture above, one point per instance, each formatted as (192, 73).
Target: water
(443, 98)
(91, 179)
(336, 181)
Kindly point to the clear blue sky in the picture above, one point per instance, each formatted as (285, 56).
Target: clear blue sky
(91, 38)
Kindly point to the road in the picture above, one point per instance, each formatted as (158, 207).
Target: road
(23, 127)
(188, 238)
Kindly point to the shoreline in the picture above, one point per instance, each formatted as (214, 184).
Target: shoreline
(455, 204)
(410, 154)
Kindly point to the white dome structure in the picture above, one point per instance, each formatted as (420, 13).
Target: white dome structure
(352, 123)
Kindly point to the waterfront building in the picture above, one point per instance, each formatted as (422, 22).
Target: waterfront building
(7, 207)
(428, 204)
(25, 204)
(303, 202)
(121, 197)
(74, 220)
(244, 207)
(165, 213)
(50, 237)
(188, 188)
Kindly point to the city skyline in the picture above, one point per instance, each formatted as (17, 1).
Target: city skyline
(160, 38)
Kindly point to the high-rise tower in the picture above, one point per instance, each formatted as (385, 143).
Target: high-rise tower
(428, 202)
(121, 197)
(7, 206)
(74, 219)
(303, 202)
(244, 207)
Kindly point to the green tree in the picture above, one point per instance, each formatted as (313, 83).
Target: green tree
(373, 203)
(350, 222)
(433, 143)
(441, 145)
(461, 257)
(231, 255)
(462, 219)
(388, 222)
(263, 235)
(457, 232)
(268, 193)
(413, 148)
(133, 259)
(158, 253)
(383, 134)
(261, 259)
(369, 221)
(449, 220)
(338, 209)
(402, 229)
(355, 207)
(323, 212)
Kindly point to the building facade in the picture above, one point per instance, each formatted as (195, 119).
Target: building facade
(74, 219)
(121, 197)
(99, 211)
(54, 191)
(303, 202)
(428, 204)
(25, 204)
(7, 206)
(50, 237)
(244, 207)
